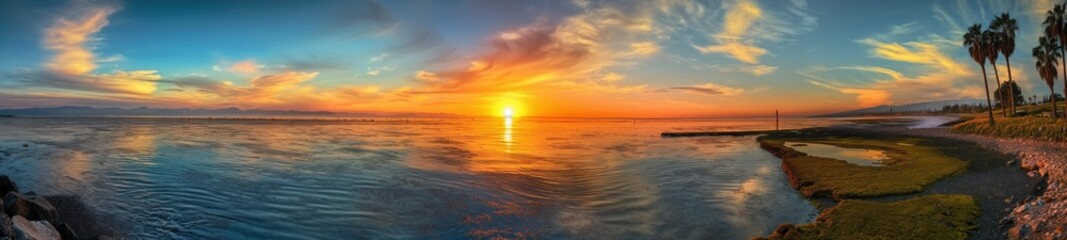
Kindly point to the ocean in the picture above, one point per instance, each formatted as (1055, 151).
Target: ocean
(419, 178)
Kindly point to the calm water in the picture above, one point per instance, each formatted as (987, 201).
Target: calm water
(858, 156)
(429, 178)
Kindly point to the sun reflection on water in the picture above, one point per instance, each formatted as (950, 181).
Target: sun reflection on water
(507, 134)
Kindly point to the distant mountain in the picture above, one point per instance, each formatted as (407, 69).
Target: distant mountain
(914, 107)
(144, 111)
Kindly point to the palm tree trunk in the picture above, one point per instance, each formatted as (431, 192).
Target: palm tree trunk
(1063, 52)
(1053, 96)
(1000, 93)
(988, 101)
(1011, 86)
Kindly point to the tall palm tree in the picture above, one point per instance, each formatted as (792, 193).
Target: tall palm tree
(1006, 26)
(1047, 53)
(1054, 27)
(992, 40)
(975, 43)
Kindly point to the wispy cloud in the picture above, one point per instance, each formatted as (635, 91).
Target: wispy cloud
(746, 24)
(930, 54)
(710, 89)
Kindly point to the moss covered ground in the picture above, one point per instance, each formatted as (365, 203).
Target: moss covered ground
(926, 217)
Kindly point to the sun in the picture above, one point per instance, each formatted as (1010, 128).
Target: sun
(509, 112)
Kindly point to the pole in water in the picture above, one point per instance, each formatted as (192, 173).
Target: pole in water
(776, 119)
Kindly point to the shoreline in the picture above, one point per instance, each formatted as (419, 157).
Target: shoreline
(27, 215)
(1040, 216)
(1012, 207)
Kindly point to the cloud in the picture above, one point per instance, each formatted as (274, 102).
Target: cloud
(759, 70)
(69, 40)
(710, 89)
(426, 76)
(738, 19)
(874, 85)
(745, 24)
(543, 57)
(375, 71)
(613, 77)
(865, 97)
(261, 89)
(246, 66)
(644, 48)
(925, 53)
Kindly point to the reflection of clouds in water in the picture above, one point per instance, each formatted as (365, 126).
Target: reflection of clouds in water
(459, 179)
(858, 156)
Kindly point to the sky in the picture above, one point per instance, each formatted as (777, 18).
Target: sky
(556, 58)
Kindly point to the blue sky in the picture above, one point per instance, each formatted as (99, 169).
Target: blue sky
(664, 58)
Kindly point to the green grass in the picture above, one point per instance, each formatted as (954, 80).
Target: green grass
(911, 168)
(925, 217)
(1029, 125)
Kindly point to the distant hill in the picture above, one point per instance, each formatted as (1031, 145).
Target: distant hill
(144, 111)
(914, 107)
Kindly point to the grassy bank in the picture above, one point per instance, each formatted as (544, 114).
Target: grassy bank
(1028, 125)
(912, 165)
(925, 217)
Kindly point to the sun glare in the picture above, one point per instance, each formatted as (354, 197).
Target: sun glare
(509, 112)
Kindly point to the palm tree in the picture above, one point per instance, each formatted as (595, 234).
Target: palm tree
(992, 41)
(1006, 26)
(1054, 27)
(1047, 52)
(975, 43)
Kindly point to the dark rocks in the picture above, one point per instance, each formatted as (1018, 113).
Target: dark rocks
(5, 225)
(1006, 222)
(29, 216)
(6, 185)
(33, 230)
(32, 207)
(66, 232)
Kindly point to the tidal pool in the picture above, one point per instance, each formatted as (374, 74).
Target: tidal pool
(858, 156)
(169, 178)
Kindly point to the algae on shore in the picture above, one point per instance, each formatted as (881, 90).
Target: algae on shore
(926, 217)
(910, 167)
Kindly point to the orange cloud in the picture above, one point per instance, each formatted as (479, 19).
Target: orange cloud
(246, 66)
(736, 24)
(68, 38)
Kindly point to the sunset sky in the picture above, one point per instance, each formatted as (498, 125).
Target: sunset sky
(581, 58)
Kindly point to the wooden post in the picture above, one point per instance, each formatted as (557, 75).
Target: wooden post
(776, 119)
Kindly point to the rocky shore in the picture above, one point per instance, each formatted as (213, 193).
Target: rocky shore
(1042, 215)
(27, 216)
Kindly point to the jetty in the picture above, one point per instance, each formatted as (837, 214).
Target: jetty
(711, 134)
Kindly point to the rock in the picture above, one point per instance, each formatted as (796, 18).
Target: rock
(1021, 232)
(66, 232)
(6, 185)
(32, 208)
(33, 230)
(1006, 221)
(5, 225)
